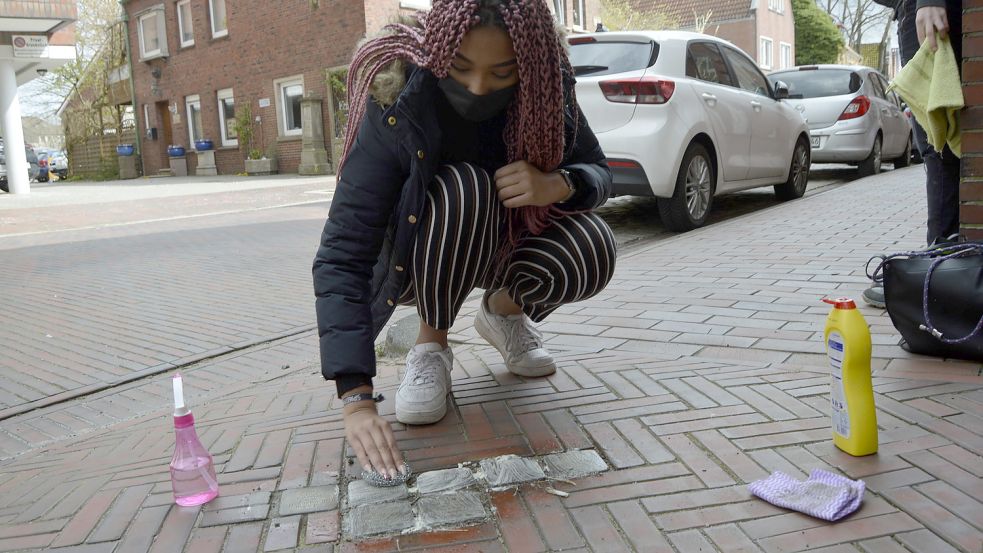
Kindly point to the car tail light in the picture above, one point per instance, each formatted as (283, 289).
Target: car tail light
(621, 164)
(582, 40)
(857, 108)
(646, 90)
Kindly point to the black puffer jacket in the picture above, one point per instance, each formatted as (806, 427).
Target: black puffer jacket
(359, 270)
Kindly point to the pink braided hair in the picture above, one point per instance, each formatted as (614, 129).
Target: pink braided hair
(535, 128)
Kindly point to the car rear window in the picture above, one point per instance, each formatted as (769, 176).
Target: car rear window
(608, 58)
(819, 83)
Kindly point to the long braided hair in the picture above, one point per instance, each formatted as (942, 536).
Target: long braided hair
(534, 131)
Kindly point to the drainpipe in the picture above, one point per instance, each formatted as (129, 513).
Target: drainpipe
(133, 92)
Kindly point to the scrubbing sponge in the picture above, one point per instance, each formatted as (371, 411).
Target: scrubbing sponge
(380, 481)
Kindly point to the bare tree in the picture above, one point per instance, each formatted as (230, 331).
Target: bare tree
(622, 15)
(98, 21)
(701, 22)
(856, 18)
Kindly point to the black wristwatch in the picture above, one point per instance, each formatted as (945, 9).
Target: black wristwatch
(568, 178)
(355, 398)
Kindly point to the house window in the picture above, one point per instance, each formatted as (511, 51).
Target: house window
(150, 28)
(289, 92)
(777, 6)
(579, 18)
(220, 24)
(227, 117)
(785, 55)
(195, 132)
(415, 4)
(559, 9)
(186, 30)
(765, 53)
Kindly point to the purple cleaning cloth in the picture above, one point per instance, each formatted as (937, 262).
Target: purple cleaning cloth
(824, 495)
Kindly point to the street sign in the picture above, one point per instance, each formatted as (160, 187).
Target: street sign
(30, 46)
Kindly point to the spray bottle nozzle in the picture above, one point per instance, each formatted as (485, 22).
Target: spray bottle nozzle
(180, 409)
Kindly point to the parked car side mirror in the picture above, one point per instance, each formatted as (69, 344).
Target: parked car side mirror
(781, 90)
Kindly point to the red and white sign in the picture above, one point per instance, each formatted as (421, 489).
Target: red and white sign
(30, 46)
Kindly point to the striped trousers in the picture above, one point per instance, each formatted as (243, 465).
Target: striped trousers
(463, 226)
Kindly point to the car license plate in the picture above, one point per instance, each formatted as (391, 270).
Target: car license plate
(815, 141)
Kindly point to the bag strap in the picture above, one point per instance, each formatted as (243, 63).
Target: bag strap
(939, 249)
(951, 252)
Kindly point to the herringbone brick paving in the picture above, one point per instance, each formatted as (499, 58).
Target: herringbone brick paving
(695, 373)
(682, 451)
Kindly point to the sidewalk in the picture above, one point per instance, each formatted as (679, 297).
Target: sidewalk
(73, 206)
(699, 370)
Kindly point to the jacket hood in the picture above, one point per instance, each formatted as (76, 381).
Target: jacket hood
(389, 82)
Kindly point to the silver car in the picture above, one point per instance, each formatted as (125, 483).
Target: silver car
(851, 116)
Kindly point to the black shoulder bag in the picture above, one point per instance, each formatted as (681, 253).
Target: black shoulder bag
(935, 298)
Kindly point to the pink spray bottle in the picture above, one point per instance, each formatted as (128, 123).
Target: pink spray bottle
(192, 471)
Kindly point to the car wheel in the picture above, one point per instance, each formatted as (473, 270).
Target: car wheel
(905, 159)
(872, 165)
(798, 174)
(3, 185)
(689, 205)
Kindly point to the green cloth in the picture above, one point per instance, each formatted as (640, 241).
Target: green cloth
(930, 84)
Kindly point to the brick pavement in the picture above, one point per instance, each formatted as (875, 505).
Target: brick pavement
(81, 314)
(698, 371)
(93, 299)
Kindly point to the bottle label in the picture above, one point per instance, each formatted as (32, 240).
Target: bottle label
(836, 351)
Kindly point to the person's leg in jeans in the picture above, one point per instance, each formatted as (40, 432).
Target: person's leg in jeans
(941, 169)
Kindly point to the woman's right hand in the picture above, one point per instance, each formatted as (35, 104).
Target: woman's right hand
(372, 438)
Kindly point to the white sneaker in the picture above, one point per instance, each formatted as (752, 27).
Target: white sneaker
(422, 396)
(520, 344)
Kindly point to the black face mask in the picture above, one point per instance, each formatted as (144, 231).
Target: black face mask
(473, 107)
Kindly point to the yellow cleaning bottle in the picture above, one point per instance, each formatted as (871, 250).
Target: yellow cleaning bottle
(847, 340)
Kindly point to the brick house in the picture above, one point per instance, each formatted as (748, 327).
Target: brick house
(197, 63)
(763, 29)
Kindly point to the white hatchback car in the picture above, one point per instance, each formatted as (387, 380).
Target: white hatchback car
(685, 116)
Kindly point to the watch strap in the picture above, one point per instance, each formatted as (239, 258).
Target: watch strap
(355, 398)
(571, 187)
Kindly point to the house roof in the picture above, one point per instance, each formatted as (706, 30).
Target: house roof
(684, 12)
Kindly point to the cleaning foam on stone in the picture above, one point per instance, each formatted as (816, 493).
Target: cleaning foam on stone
(192, 469)
(380, 481)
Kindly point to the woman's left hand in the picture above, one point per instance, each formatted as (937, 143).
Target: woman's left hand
(522, 183)
(928, 21)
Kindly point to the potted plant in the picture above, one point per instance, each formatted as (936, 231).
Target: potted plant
(204, 144)
(259, 164)
(244, 126)
(175, 150)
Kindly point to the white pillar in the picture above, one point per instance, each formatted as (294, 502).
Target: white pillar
(13, 131)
